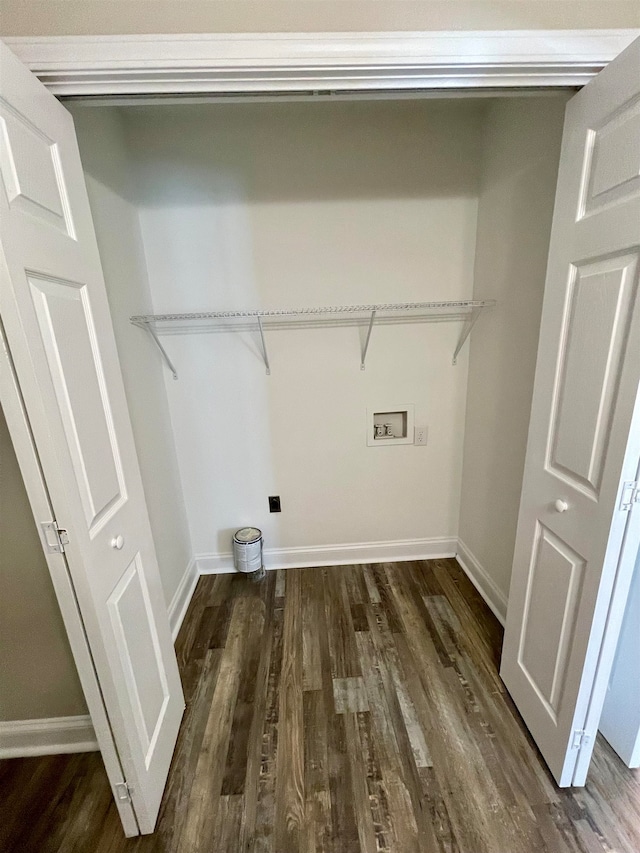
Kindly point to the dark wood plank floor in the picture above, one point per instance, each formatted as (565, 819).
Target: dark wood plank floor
(347, 709)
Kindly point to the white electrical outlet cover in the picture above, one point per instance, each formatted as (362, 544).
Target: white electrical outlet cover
(420, 437)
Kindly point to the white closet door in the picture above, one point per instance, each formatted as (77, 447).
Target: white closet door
(582, 441)
(57, 323)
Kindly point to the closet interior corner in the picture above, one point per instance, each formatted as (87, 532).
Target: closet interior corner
(238, 208)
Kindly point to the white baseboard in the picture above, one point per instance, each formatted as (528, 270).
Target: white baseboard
(344, 555)
(480, 578)
(337, 555)
(182, 597)
(50, 736)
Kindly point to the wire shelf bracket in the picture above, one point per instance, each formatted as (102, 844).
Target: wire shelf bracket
(265, 354)
(364, 316)
(154, 337)
(366, 341)
(469, 323)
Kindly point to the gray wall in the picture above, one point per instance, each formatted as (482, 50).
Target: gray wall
(38, 676)
(517, 191)
(59, 17)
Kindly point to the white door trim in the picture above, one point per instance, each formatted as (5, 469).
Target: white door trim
(305, 62)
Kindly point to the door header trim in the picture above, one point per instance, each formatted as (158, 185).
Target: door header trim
(231, 63)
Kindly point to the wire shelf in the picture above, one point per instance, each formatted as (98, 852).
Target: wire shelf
(332, 310)
(359, 315)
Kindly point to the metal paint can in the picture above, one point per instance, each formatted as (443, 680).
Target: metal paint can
(247, 552)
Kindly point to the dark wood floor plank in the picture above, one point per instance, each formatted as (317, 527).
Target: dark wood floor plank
(228, 822)
(412, 749)
(290, 807)
(208, 624)
(241, 727)
(355, 585)
(437, 813)
(22, 779)
(340, 710)
(359, 787)
(421, 573)
(312, 593)
(318, 825)
(401, 819)
(466, 604)
(370, 585)
(220, 624)
(381, 579)
(456, 756)
(317, 721)
(198, 833)
(280, 585)
(174, 809)
(359, 617)
(224, 588)
(255, 740)
(344, 829)
(265, 806)
(342, 645)
(189, 627)
(378, 801)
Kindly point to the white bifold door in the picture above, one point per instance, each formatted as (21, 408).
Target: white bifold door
(577, 509)
(58, 328)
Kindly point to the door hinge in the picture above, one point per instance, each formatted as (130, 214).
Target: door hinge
(54, 537)
(630, 495)
(123, 792)
(580, 739)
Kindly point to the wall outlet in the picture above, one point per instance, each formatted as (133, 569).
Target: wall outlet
(274, 503)
(420, 435)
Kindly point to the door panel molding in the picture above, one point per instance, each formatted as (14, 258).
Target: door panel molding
(92, 439)
(609, 176)
(600, 296)
(560, 618)
(31, 171)
(149, 693)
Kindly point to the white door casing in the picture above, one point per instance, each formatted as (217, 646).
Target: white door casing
(583, 438)
(353, 62)
(58, 327)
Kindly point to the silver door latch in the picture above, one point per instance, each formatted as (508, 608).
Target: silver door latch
(580, 739)
(630, 495)
(123, 792)
(54, 537)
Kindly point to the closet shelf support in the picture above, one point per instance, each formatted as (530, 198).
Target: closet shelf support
(366, 341)
(469, 323)
(265, 355)
(154, 337)
(364, 316)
